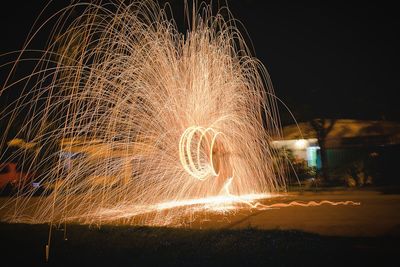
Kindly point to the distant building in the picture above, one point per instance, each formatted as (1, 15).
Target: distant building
(302, 149)
(349, 141)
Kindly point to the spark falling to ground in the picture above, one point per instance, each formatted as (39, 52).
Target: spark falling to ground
(126, 117)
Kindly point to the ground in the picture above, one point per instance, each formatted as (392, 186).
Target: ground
(377, 214)
(367, 235)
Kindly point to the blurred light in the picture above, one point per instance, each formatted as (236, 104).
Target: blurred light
(301, 144)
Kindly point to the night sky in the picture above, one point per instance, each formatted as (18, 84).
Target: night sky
(324, 61)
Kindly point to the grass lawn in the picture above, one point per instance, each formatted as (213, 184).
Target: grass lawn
(23, 245)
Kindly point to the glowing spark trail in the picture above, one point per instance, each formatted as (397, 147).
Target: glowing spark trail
(203, 169)
(128, 118)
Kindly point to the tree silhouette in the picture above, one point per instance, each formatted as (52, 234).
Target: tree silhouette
(322, 127)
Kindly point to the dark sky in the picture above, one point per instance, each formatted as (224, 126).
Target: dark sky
(337, 61)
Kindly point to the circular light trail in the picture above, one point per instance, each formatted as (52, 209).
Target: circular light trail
(196, 149)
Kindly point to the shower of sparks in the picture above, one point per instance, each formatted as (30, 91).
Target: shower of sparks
(129, 119)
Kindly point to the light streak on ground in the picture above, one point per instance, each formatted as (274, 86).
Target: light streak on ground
(217, 204)
(225, 203)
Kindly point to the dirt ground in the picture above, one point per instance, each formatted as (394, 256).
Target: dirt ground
(378, 214)
(364, 235)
